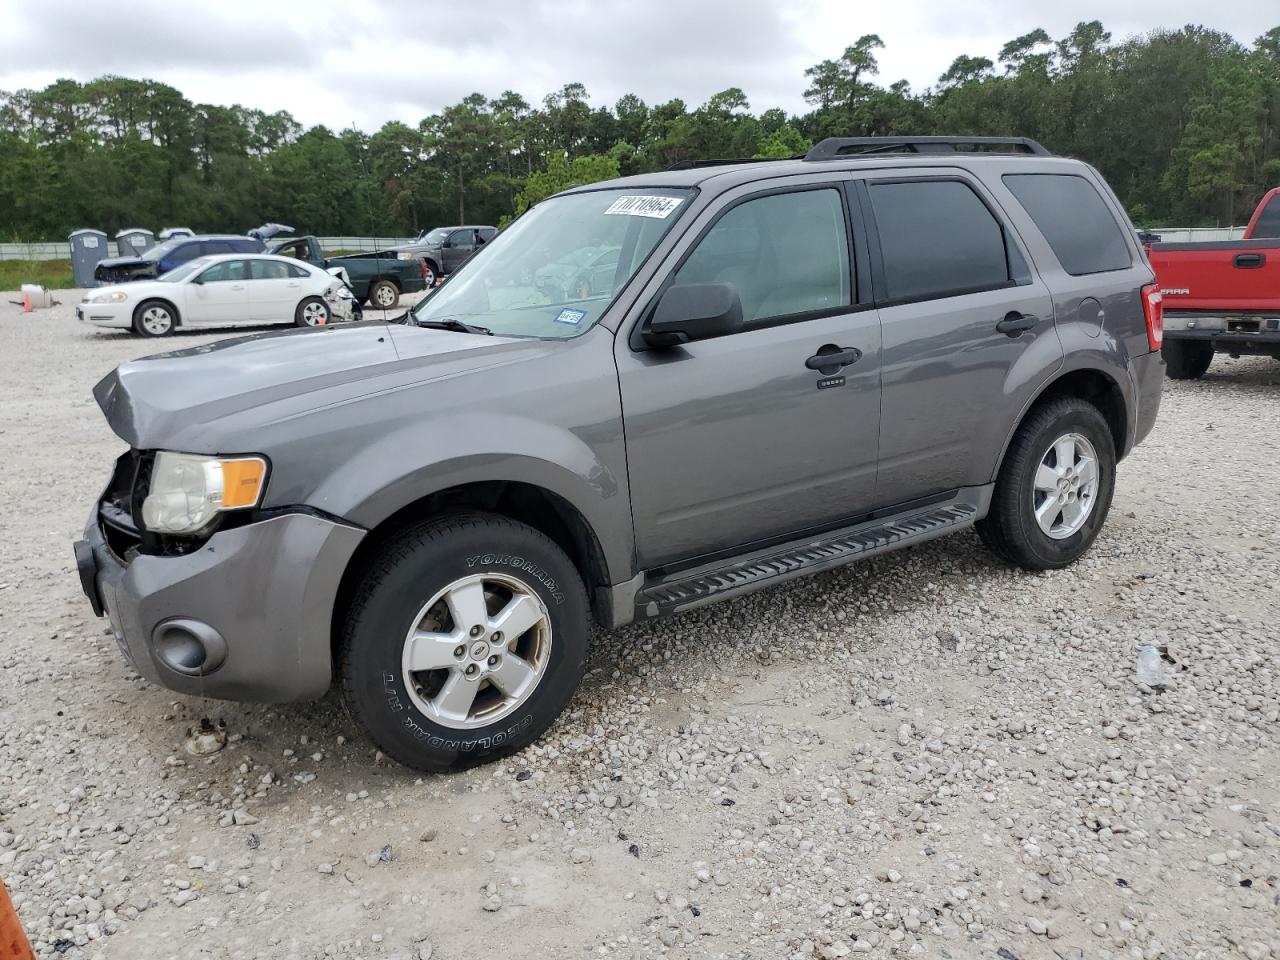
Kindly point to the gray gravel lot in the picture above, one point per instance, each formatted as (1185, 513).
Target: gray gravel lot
(925, 755)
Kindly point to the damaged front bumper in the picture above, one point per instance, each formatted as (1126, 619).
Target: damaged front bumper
(246, 616)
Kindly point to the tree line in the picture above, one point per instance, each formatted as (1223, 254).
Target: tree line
(1184, 124)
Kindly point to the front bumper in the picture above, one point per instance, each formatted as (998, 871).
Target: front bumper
(264, 592)
(114, 315)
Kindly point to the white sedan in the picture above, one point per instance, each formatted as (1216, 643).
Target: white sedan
(227, 290)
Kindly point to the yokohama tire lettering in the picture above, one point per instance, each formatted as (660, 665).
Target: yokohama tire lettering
(521, 564)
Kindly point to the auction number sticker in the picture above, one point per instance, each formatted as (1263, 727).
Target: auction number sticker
(574, 317)
(658, 208)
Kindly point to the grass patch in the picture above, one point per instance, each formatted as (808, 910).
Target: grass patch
(54, 274)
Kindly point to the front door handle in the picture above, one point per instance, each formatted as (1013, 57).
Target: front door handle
(1249, 261)
(831, 358)
(1015, 324)
(237, 286)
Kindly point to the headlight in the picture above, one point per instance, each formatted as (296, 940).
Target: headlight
(116, 296)
(404, 255)
(188, 491)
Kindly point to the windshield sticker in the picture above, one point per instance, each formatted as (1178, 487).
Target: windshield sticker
(657, 207)
(574, 317)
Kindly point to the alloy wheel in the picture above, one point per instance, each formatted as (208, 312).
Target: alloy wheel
(477, 650)
(1065, 486)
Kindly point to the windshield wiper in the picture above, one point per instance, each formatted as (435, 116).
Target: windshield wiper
(451, 324)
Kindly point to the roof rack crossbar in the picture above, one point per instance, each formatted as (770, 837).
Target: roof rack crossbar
(840, 148)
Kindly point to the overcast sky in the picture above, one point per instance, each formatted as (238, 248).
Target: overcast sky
(365, 62)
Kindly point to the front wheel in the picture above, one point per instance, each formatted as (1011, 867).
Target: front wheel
(384, 295)
(1187, 359)
(154, 318)
(1054, 488)
(429, 275)
(464, 641)
(312, 312)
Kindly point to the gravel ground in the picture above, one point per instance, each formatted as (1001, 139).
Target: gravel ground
(925, 755)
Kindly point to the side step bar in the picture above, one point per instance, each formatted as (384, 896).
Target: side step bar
(694, 588)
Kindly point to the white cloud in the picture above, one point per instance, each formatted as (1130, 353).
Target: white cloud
(340, 63)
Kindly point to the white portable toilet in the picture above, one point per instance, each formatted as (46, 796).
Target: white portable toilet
(87, 248)
(134, 241)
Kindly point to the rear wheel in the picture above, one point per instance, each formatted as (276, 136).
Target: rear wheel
(384, 295)
(1054, 488)
(154, 318)
(466, 638)
(312, 312)
(1187, 359)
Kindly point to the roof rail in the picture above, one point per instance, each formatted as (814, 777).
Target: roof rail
(696, 164)
(837, 148)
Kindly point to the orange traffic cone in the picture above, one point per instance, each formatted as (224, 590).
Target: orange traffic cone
(26, 308)
(13, 942)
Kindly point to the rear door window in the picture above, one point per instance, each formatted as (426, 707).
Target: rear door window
(269, 270)
(1080, 228)
(937, 239)
(1268, 225)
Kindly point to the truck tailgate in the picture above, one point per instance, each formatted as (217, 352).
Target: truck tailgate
(1229, 276)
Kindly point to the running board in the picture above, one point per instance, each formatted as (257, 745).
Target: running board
(693, 588)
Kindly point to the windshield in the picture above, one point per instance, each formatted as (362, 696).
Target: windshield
(435, 236)
(178, 274)
(555, 270)
(160, 249)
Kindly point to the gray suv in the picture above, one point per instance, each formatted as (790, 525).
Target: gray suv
(793, 365)
(444, 249)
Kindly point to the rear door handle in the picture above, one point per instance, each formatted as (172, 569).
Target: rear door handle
(1015, 324)
(1249, 261)
(831, 358)
(237, 286)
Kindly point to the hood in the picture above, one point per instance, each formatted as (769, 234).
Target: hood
(113, 262)
(203, 399)
(268, 230)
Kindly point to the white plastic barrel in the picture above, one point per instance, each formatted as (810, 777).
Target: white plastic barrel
(40, 297)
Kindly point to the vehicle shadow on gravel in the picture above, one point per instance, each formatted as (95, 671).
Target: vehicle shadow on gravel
(780, 623)
(1247, 374)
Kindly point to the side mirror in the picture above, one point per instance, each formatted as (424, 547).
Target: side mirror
(694, 311)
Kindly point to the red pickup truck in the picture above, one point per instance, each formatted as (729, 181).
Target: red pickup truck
(1221, 296)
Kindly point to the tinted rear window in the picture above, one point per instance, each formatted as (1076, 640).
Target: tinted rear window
(937, 238)
(1074, 219)
(1268, 225)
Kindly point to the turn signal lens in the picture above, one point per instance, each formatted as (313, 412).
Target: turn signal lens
(242, 482)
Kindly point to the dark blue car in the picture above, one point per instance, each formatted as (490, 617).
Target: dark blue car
(172, 253)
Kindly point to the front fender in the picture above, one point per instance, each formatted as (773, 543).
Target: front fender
(435, 454)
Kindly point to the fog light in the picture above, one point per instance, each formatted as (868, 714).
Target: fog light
(189, 647)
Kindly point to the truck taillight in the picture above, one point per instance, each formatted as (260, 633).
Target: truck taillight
(1153, 309)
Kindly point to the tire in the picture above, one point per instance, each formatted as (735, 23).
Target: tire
(384, 295)
(408, 587)
(1013, 529)
(312, 312)
(429, 275)
(1187, 359)
(154, 318)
